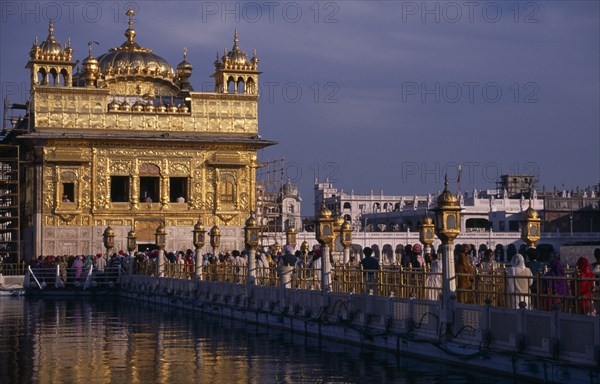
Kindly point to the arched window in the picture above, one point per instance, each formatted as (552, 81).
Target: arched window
(231, 85)
(54, 75)
(250, 86)
(64, 78)
(42, 77)
(240, 86)
(347, 205)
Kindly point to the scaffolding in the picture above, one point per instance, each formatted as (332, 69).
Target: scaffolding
(270, 179)
(9, 205)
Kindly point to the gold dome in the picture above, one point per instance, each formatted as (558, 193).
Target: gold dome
(236, 55)
(427, 220)
(236, 58)
(132, 63)
(51, 46)
(324, 213)
(530, 213)
(446, 198)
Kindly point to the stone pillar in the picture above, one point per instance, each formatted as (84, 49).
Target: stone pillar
(160, 262)
(198, 264)
(325, 269)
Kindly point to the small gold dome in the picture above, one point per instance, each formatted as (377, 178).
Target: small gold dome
(215, 231)
(530, 213)
(109, 231)
(346, 226)
(51, 46)
(236, 55)
(446, 198)
(131, 233)
(198, 226)
(427, 220)
(324, 213)
(251, 222)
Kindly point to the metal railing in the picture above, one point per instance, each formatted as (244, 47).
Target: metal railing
(72, 278)
(13, 269)
(494, 286)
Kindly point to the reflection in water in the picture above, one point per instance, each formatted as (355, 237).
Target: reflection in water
(120, 341)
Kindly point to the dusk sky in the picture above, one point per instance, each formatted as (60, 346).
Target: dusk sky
(375, 95)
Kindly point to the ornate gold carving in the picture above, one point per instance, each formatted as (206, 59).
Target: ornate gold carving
(176, 169)
(120, 168)
(145, 229)
(87, 108)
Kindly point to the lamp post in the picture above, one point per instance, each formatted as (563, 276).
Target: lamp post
(530, 227)
(291, 237)
(346, 240)
(325, 236)
(447, 226)
(251, 239)
(161, 239)
(199, 240)
(109, 240)
(131, 245)
(426, 235)
(215, 239)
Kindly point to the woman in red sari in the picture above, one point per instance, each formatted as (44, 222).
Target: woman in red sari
(586, 285)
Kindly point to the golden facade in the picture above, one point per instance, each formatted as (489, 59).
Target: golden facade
(126, 142)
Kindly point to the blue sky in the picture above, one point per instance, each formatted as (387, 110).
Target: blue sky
(376, 95)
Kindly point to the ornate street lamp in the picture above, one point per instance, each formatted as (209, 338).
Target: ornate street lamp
(161, 237)
(447, 226)
(199, 240)
(346, 239)
(291, 237)
(251, 230)
(109, 240)
(215, 238)
(131, 241)
(426, 235)
(325, 236)
(131, 245)
(530, 227)
(447, 216)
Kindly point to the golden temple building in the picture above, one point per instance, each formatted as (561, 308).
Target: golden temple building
(125, 142)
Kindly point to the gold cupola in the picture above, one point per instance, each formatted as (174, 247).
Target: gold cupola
(130, 69)
(90, 67)
(184, 72)
(234, 68)
(50, 63)
(51, 48)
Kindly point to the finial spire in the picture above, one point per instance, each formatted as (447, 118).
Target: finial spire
(184, 53)
(130, 12)
(50, 28)
(446, 181)
(235, 39)
(130, 33)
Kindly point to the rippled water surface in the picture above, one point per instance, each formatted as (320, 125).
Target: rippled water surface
(120, 341)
